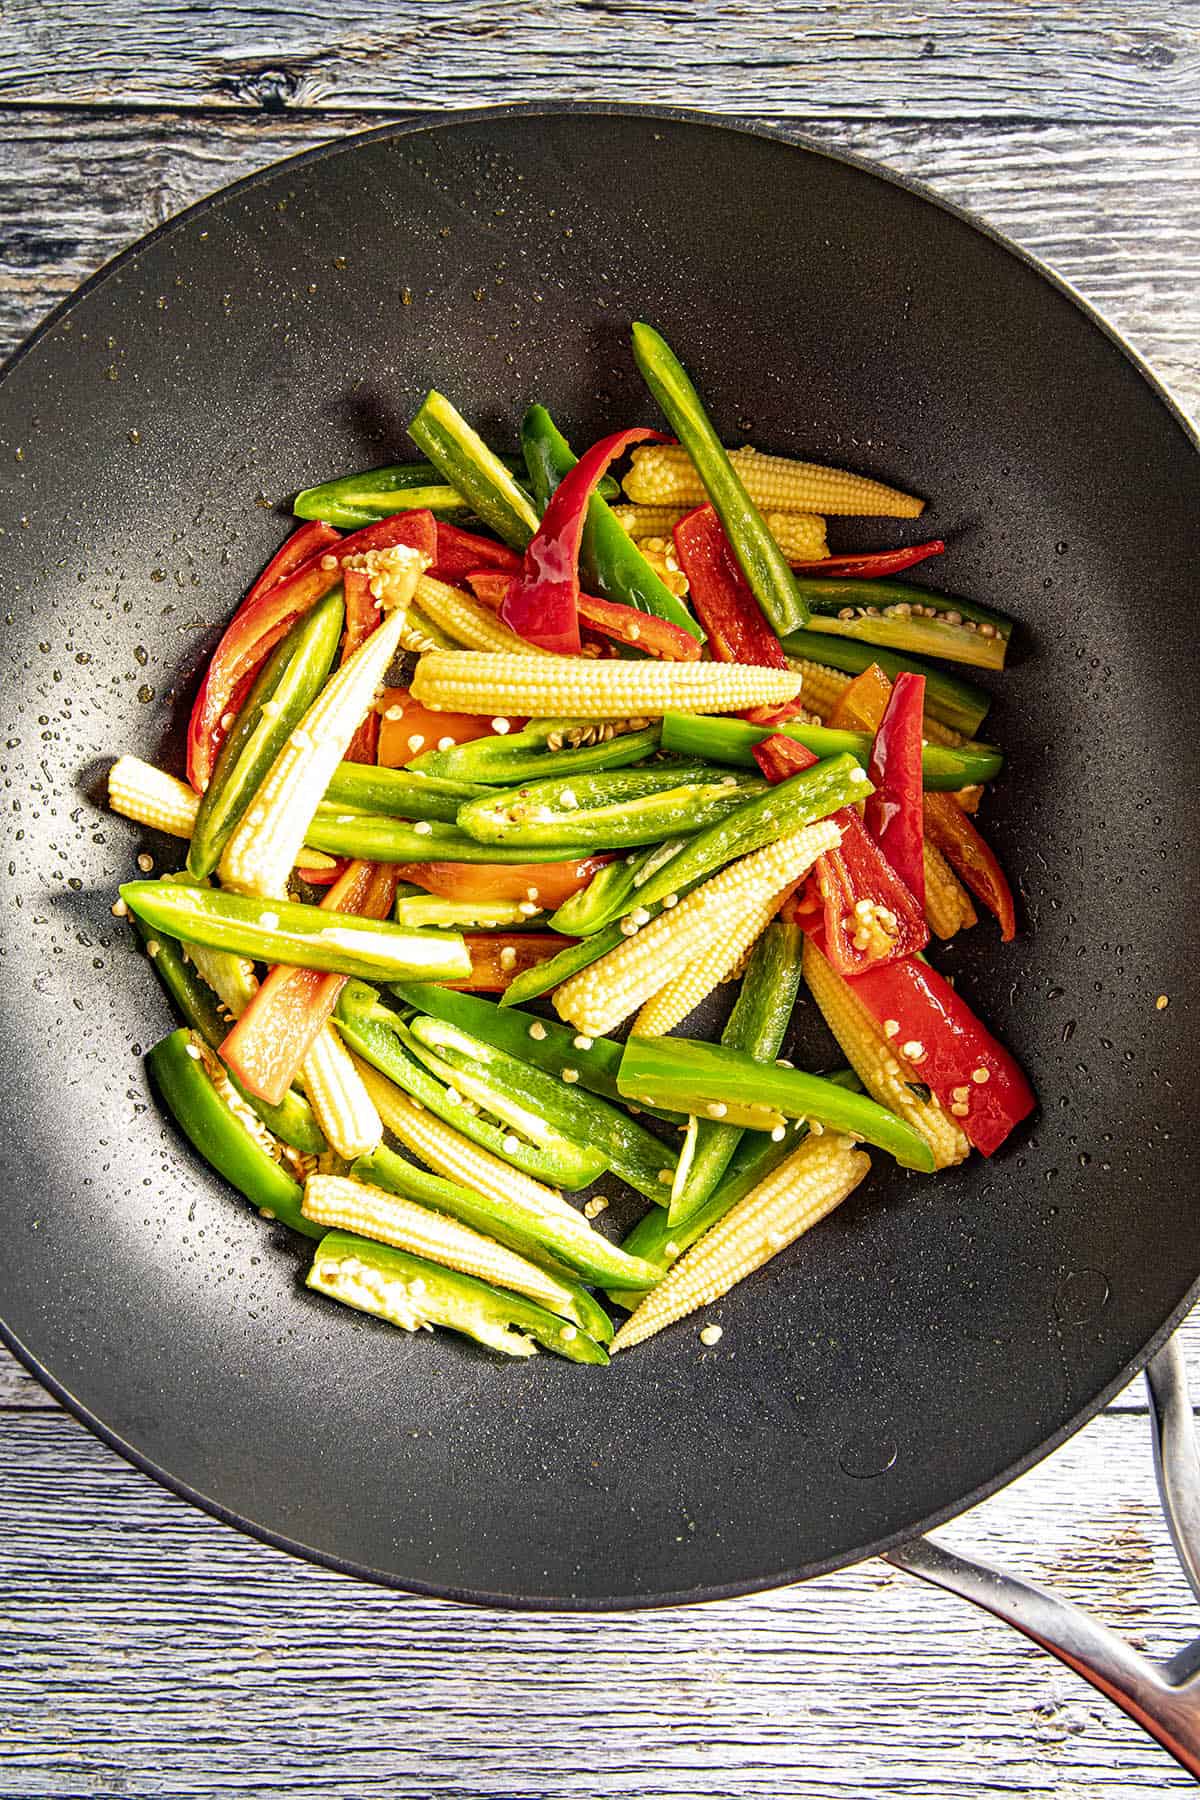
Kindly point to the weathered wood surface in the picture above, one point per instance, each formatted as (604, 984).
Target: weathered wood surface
(1059, 59)
(151, 1652)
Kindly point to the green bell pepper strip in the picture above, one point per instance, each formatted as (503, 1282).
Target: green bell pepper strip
(370, 837)
(177, 1068)
(282, 694)
(758, 1155)
(813, 794)
(544, 976)
(960, 632)
(612, 810)
(556, 1160)
(611, 890)
(293, 1119)
(409, 1291)
(505, 761)
(630, 1151)
(363, 788)
(547, 1043)
(610, 563)
(352, 501)
(304, 937)
(689, 1075)
(732, 741)
(756, 1027)
(759, 556)
(480, 476)
(948, 698)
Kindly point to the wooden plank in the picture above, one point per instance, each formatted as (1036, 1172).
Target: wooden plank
(1133, 59)
(1078, 196)
(233, 1670)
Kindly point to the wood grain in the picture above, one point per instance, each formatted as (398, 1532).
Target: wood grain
(1077, 196)
(167, 1656)
(1131, 59)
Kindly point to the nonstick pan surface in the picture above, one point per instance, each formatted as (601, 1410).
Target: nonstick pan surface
(935, 1336)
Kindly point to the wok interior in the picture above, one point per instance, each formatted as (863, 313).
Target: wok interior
(932, 1335)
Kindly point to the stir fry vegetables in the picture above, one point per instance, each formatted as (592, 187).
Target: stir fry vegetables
(475, 736)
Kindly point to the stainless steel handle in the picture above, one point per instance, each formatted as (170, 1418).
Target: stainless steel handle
(1164, 1698)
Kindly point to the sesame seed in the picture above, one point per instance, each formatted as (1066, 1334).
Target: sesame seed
(778, 1133)
(508, 958)
(271, 709)
(960, 1093)
(582, 1043)
(453, 1096)
(913, 1048)
(152, 948)
(960, 1109)
(145, 862)
(537, 1031)
(269, 921)
(711, 1334)
(816, 1128)
(858, 774)
(193, 1052)
(228, 720)
(634, 633)
(980, 1075)
(666, 1176)
(670, 900)
(422, 827)
(416, 742)
(594, 1207)
(568, 799)
(527, 908)
(640, 916)
(511, 1144)
(1162, 1002)
(329, 561)
(891, 1027)
(568, 1333)
(670, 1249)
(531, 893)
(394, 713)
(716, 1109)
(629, 928)
(570, 1075)
(501, 726)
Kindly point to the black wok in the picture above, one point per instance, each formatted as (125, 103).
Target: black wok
(936, 1336)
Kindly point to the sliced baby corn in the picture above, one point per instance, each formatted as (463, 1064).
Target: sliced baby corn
(649, 521)
(664, 475)
(545, 687)
(893, 1082)
(948, 905)
(338, 1096)
(447, 1152)
(370, 1212)
(806, 1186)
(722, 959)
(599, 997)
(823, 686)
(258, 857)
(466, 620)
(149, 796)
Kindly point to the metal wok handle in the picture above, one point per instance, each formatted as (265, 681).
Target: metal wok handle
(1164, 1698)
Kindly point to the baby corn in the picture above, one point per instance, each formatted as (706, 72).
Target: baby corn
(723, 959)
(807, 1185)
(547, 687)
(948, 905)
(466, 620)
(338, 1096)
(258, 857)
(893, 1083)
(151, 797)
(664, 475)
(370, 1212)
(800, 535)
(600, 996)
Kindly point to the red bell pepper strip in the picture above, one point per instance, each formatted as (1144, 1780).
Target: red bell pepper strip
(721, 598)
(498, 957)
(267, 615)
(644, 631)
(362, 616)
(958, 1059)
(970, 854)
(542, 605)
(274, 1034)
(893, 815)
(550, 885)
(872, 564)
(855, 882)
(310, 540)
(459, 552)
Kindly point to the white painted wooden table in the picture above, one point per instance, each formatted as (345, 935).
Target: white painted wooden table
(147, 1651)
